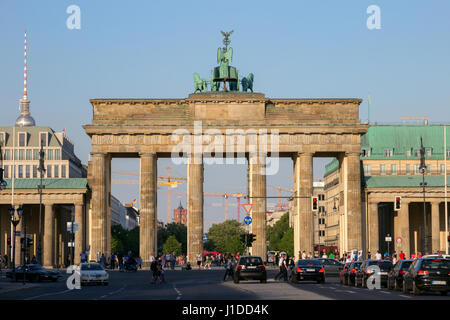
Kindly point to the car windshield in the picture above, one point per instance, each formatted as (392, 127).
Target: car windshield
(91, 266)
(381, 263)
(34, 267)
(436, 264)
(251, 261)
(309, 263)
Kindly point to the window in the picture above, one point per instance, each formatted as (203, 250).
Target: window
(2, 139)
(43, 139)
(27, 172)
(408, 153)
(417, 153)
(36, 154)
(393, 169)
(7, 154)
(442, 168)
(448, 153)
(321, 209)
(366, 153)
(416, 169)
(321, 197)
(63, 172)
(49, 171)
(20, 171)
(57, 154)
(34, 171)
(6, 173)
(366, 170)
(49, 154)
(388, 153)
(428, 152)
(21, 154)
(382, 169)
(56, 172)
(321, 233)
(22, 139)
(29, 154)
(408, 169)
(428, 169)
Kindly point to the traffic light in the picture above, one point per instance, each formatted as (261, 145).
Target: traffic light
(9, 241)
(244, 239)
(397, 203)
(315, 204)
(250, 238)
(29, 242)
(448, 238)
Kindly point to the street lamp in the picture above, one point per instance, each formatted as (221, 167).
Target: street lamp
(423, 169)
(15, 222)
(41, 170)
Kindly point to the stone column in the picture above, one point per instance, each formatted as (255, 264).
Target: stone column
(435, 227)
(19, 227)
(257, 189)
(49, 234)
(99, 205)
(148, 212)
(374, 240)
(305, 215)
(353, 195)
(296, 202)
(79, 235)
(403, 220)
(195, 208)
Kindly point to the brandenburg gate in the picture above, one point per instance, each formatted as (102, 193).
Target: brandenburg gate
(234, 124)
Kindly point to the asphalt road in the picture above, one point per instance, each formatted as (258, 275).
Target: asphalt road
(198, 285)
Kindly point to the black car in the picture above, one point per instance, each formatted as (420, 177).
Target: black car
(250, 268)
(308, 270)
(395, 276)
(32, 272)
(351, 272)
(427, 274)
(368, 269)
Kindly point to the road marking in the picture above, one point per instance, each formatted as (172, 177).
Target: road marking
(48, 294)
(177, 291)
(402, 295)
(113, 292)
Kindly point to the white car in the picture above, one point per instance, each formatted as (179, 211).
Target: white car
(435, 255)
(93, 273)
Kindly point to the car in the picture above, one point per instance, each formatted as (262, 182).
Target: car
(33, 273)
(351, 272)
(343, 274)
(367, 269)
(308, 270)
(250, 268)
(395, 276)
(427, 274)
(93, 273)
(437, 256)
(331, 266)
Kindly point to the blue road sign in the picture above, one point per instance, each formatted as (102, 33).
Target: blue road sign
(248, 220)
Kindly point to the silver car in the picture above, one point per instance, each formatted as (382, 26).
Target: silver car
(331, 266)
(93, 273)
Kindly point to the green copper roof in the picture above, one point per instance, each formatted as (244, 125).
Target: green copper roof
(71, 183)
(33, 136)
(404, 181)
(331, 167)
(401, 138)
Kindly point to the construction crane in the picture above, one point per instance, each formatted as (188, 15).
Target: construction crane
(169, 183)
(225, 196)
(279, 206)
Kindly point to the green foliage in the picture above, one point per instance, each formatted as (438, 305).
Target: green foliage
(281, 236)
(172, 245)
(178, 230)
(225, 237)
(123, 240)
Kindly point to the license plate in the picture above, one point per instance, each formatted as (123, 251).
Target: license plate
(383, 273)
(439, 282)
(311, 270)
(251, 267)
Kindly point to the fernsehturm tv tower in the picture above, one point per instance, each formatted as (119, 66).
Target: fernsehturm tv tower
(25, 119)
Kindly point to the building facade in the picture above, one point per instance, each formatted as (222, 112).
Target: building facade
(180, 215)
(390, 161)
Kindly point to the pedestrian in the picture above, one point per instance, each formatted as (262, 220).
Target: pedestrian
(419, 255)
(174, 260)
(140, 262)
(103, 260)
(402, 255)
(5, 261)
(378, 255)
(120, 258)
(161, 275)
(34, 260)
(83, 257)
(310, 255)
(282, 268)
(199, 260)
(113, 261)
(228, 269)
(331, 255)
(304, 254)
(369, 256)
(154, 270)
(394, 258)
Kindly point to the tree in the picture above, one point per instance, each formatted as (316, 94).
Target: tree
(123, 240)
(172, 245)
(281, 236)
(173, 229)
(225, 237)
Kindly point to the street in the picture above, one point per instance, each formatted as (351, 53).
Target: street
(198, 285)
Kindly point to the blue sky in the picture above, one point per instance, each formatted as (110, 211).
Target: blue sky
(149, 49)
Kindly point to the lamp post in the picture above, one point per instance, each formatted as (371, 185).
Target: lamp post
(41, 170)
(15, 222)
(423, 169)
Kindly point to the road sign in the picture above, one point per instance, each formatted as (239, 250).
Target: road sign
(248, 220)
(70, 244)
(248, 207)
(388, 239)
(399, 240)
(18, 233)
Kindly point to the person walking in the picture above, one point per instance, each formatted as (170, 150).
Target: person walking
(228, 269)
(402, 255)
(282, 268)
(154, 270)
(378, 255)
(113, 261)
(304, 254)
(199, 261)
(174, 260)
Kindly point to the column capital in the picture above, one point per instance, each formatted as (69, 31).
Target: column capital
(352, 154)
(99, 154)
(305, 154)
(78, 204)
(147, 154)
